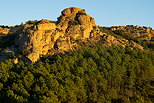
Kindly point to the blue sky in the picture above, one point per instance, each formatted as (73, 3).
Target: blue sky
(105, 12)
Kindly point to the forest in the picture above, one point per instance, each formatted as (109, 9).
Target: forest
(94, 74)
(73, 60)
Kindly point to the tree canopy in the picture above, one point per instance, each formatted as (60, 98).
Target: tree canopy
(91, 75)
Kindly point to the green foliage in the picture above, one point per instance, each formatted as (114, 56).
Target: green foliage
(92, 75)
(53, 21)
(108, 31)
(32, 22)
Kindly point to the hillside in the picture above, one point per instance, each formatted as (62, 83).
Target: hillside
(72, 60)
(73, 28)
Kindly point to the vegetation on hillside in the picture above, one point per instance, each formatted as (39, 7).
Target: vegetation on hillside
(91, 75)
(95, 73)
(140, 35)
(36, 21)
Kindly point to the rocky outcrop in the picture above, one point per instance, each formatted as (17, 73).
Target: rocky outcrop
(137, 32)
(112, 40)
(40, 38)
(4, 31)
(76, 23)
(44, 37)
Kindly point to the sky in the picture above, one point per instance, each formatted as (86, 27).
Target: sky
(106, 12)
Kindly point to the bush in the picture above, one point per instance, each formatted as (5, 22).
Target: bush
(32, 22)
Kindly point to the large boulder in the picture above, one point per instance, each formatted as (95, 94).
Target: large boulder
(76, 23)
(72, 11)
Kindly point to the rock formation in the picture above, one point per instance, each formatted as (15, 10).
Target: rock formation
(76, 23)
(141, 33)
(39, 38)
(4, 31)
(44, 37)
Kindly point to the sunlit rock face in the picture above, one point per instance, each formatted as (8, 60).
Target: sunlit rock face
(45, 36)
(31, 41)
(76, 23)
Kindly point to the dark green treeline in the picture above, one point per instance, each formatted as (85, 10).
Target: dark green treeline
(91, 75)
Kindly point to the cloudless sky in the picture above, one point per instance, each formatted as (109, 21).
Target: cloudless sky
(105, 12)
